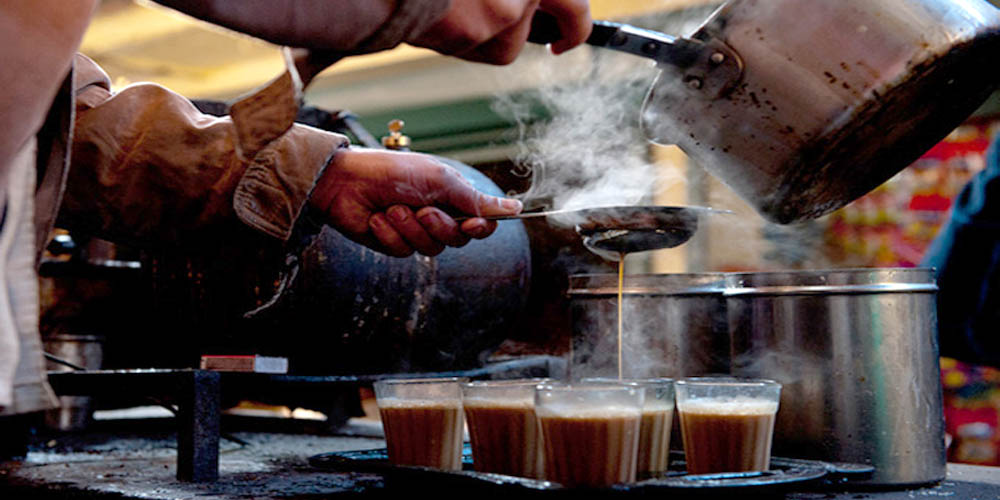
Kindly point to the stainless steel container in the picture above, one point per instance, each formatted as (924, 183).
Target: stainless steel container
(674, 325)
(856, 352)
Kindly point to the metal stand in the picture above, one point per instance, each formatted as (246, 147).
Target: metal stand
(198, 433)
(198, 396)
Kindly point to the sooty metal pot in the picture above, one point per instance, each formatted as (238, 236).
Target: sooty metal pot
(856, 352)
(830, 97)
(674, 325)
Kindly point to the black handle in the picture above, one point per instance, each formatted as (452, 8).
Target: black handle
(545, 30)
(624, 38)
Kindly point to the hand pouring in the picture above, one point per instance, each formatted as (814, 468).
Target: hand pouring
(802, 106)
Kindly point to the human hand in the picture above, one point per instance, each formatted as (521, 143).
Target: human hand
(495, 31)
(389, 201)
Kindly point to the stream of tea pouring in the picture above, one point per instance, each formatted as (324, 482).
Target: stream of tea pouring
(615, 232)
(612, 232)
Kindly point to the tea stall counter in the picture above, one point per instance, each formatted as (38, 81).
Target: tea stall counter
(275, 466)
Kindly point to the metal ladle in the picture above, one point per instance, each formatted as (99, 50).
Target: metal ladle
(615, 230)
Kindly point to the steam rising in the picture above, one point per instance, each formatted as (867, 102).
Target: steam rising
(591, 152)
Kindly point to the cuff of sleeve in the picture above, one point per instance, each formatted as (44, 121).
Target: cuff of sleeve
(272, 194)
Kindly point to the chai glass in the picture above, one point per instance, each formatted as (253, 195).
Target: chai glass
(655, 427)
(503, 429)
(423, 422)
(727, 424)
(590, 432)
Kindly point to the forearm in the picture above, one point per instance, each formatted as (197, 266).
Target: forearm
(150, 169)
(345, 26)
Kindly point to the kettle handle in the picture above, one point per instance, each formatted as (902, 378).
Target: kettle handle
(640, 42)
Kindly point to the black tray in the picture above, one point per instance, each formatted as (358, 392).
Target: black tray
(785, 474)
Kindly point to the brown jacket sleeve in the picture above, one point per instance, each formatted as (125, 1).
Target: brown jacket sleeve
(344, 26)
(148, 168)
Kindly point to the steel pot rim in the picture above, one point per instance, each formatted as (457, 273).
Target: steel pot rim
(649, 284)
(832, 277)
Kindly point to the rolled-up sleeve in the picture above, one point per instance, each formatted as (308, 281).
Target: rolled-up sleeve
(148, 168)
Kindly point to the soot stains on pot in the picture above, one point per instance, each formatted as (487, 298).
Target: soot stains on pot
(871, 72)
(960, 70)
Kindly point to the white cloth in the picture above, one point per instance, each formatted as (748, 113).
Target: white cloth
(23, 384)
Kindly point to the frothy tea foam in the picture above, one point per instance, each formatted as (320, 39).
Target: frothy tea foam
(575, 411)
(729, 406)
(418, 403)
(520, 403)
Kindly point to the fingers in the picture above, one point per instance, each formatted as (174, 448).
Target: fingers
(505, 46)
(495, 31)
(455, 191)
(406, 224)
(392, 242)
(431, 182)
(474, 202)
(479, 228)
(573, 18)
(399, 232)
(442, 227)
(468, 24)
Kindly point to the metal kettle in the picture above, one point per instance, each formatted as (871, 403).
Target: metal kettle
(835, 97)
(802, 106)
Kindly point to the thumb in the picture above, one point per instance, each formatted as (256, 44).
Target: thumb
(485, 205)
(460, 194)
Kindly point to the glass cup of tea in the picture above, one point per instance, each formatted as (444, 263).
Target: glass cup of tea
(503, 430)
(727, 424)
(423, 422)
(657, 421)
(590, 432)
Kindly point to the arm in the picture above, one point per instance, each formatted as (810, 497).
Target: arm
(343, 26)
(490, 31)
(150, 169)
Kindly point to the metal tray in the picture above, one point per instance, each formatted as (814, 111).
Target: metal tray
(786, 474)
